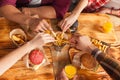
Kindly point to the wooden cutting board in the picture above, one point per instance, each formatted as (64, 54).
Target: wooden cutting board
(89, 24)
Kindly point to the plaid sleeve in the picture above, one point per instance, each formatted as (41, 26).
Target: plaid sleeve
(95, 4)
(7, 2)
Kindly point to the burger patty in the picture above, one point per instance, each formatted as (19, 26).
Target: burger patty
(36, 56)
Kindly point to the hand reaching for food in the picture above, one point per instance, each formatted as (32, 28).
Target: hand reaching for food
(42, 39)
(67, 22)
(81, 42)
(36, 25)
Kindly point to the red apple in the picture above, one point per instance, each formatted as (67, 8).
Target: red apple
(36, 56)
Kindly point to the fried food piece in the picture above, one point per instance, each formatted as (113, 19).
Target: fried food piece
(60, 40)
(99, 44)
(18, 38)
(48, 31)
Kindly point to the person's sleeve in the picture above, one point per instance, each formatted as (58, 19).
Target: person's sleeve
(7, 2)
(61, 7)
(93, 5)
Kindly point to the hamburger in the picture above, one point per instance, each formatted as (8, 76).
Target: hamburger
(35, 59)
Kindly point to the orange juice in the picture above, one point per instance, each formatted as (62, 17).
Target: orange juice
(107, 27)
(70, 71)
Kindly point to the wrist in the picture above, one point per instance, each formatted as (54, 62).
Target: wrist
(27, 47)
(91, 48)
(111, 11)
(29, 21)
(75, 14)
(114, 12)
(30, 45)
(118, 12)
(34, 44)
(95, 53)
(25, 26)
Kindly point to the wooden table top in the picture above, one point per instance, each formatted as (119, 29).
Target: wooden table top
(19, 71)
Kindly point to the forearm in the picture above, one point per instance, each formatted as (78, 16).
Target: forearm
(12, 13)
(110, 65)
(80, 6)
(43, 11)
(111, 11)
(115, 12)
(10, 59)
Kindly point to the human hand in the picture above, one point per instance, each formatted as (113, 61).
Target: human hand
(115, 12)
(26, 11)
(41, 39)
(81, 42)
(35, 24)
(67, 22)
(104, 10)
(38, 25)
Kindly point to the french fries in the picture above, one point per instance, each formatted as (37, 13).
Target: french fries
(59, 37)
(60, 40)
(99, 44)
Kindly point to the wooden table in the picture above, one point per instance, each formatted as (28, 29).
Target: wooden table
(19, 71)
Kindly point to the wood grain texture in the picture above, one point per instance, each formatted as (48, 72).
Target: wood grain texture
(89, 24)
(19, 71)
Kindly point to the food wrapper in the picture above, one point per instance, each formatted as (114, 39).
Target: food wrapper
(32, 66)
(86, 65)
(83, 60)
